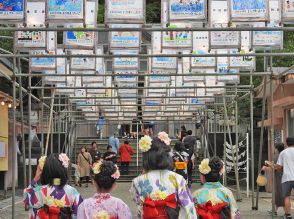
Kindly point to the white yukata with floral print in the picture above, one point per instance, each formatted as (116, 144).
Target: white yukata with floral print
(158, 184)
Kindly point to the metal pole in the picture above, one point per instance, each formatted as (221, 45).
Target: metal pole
(143, 73)
(252, 144)
(230, 140)
(225, 153)
(214, 134)
(14, 156)
(51, 134)
(148, 28)
(272, 141)
(42, 118)
(22, 128)
(239, 198)
(59, 124)
(50, 122)
(261, 138)
(30, 129)
(137, 148)
(247, 165)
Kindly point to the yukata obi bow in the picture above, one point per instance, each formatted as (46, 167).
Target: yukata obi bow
(158, 208)
(209, 211)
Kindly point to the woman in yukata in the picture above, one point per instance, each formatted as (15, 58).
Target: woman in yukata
(160, 193)
(53, 199)
(102, 204)
(214, 200)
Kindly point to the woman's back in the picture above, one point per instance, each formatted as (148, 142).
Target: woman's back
(158, 185)
(55, 197)
(97, 205)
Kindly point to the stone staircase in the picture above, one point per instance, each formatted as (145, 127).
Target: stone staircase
(134, 171)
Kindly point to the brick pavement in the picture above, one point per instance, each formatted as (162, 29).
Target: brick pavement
(122, 192)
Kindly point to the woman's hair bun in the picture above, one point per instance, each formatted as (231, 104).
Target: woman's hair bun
(216, 164)
(104, 179)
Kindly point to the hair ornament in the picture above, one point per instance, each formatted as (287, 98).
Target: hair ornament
(42, 161)
(145, 143)
(163, 136)
(116, 175)
(204, 167)
(97, 167)
(63, 158)
(223, 169)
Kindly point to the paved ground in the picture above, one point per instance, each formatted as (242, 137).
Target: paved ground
(122, 192)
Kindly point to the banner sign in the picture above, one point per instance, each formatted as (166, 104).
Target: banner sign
(223, 69)
(187, 10)
(273, 39)
(65, 10)
(224, 39)
(44, 62)
(93, 79)
(31, 39)
(82, 63)
(79, 38)
(11, 9)
(177, 39)
(124, 39)
(61, 68)
(126, 78)
(159, 79)
(202, 62)
(242, 62)
(132, 11)
(255, 10)
(127, 92)
(201, 46)
(164, 63)
(125, 62)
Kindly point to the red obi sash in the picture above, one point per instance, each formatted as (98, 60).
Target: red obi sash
(47, 212)
(157, 208)
(209, 211)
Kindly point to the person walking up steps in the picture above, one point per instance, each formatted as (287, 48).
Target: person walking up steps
(113, 141)
(84, 163)
(94, 152)
(125, 152)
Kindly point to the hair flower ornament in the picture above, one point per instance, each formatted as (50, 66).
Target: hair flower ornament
(116, 174)
(163, 136)
(42, 161)
(64, 159)
(204, 167)
(145, 143)
(97, 167)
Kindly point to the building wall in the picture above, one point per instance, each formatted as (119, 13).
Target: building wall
(280, 120)
(4, 136)
(283, 91)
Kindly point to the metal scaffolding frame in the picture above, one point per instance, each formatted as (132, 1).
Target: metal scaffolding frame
(72, 115)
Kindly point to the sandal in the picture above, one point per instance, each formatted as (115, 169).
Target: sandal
(270, 213)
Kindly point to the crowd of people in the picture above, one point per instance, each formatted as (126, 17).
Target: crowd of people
(161, 191)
